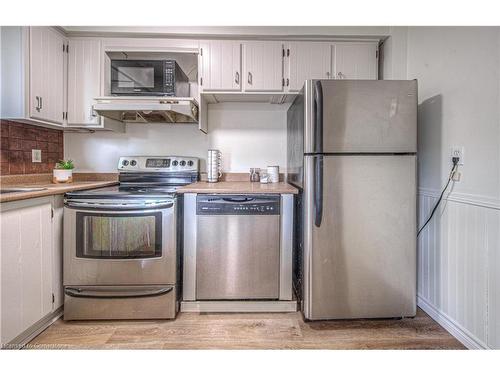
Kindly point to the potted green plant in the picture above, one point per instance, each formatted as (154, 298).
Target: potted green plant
(63, 172)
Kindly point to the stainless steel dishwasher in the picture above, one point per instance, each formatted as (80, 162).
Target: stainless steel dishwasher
(237, 247)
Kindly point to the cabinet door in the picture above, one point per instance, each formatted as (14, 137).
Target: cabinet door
(221, 65)
(47, 70)
(26, 268)
(356, 60)
(38, 60)
(307, 60)
(263, 66)
(84, 80)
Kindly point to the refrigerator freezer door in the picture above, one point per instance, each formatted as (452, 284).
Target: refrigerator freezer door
(360, 116)
(360, 262)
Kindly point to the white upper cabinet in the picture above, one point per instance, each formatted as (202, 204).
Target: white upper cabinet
(220, 65)
(306, 60)
(47, 75)
(263, 66)
(356, 60)
(84, 81)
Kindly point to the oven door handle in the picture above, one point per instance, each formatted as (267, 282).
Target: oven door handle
(118, 207)
(92, 293)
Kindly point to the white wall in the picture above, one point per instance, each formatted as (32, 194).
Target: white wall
(458, 71)
(99, 151)
(394, 54)
(249, 135)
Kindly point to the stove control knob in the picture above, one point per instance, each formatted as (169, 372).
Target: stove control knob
(190, 163)
(174, 163)
(125, 163)
(182, 163)
(133, 163)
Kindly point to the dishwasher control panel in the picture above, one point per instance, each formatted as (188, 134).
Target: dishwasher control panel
(218, 204)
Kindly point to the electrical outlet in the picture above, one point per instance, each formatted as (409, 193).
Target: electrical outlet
(456, 176)
(36, 156)
(458, 152)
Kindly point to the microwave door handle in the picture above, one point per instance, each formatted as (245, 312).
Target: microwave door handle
(109, 293)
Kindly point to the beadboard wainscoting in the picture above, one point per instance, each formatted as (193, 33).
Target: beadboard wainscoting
(459, 266)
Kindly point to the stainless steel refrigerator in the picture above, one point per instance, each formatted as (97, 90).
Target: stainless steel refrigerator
(352, 152)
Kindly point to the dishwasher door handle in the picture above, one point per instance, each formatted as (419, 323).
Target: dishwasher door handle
(238, 200)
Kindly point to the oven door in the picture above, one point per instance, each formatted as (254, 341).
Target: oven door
(107, 245)
(137, 77)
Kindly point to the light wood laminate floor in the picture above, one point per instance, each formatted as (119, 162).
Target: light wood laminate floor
(247, 331)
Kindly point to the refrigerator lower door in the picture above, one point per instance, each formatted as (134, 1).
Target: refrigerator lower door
(360, 262)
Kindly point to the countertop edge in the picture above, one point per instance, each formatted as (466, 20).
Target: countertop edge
(54, 190)
(238, 187)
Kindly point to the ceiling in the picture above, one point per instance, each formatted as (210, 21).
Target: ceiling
(282, 32)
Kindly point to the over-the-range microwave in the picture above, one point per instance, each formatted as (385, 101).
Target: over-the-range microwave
(148, 77)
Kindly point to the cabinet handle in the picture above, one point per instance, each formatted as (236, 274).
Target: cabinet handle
(37, 103)
(327, 74)
(41, 102)
(249, 78)
(287, 82)
(237, 77)
(340, 75)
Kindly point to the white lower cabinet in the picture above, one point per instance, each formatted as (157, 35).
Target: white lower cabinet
(31, 264)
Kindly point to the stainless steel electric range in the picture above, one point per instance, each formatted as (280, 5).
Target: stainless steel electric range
(122, 244)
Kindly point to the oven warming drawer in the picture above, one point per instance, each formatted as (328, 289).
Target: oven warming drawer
(238, 257)
(124, 302)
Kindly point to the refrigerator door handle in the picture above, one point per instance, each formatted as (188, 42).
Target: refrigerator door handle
(318, 117)
(318, 190)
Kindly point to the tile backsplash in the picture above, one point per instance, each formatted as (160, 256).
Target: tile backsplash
(17, 142)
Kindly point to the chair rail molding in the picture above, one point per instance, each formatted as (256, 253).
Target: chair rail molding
(472, 199)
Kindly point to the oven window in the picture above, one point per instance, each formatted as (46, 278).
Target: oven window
(118, 236)
(141, 77)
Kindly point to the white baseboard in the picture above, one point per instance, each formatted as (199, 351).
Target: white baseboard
(460, 333)
(238, 306)
(25, 337)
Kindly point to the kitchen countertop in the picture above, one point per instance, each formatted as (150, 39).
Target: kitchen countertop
(238, 187)
(50, 189)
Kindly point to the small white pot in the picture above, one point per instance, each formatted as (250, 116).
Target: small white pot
(62, 176)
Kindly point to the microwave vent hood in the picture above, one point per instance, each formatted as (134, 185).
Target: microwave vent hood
(147, 109)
